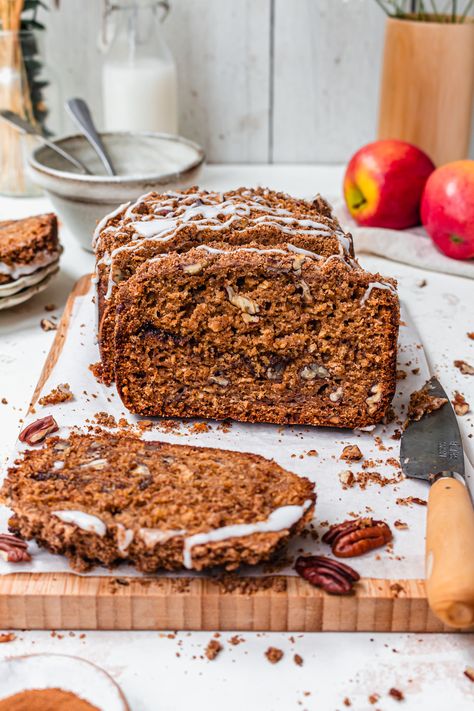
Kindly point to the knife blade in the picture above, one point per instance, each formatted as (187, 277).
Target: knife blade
(431, 449)
(433, 444)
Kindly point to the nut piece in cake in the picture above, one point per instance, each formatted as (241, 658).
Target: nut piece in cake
(274, 655)
(102, 499)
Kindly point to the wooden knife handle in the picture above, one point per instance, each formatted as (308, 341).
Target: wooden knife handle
(450, 553)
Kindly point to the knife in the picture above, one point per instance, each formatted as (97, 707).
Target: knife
(431, 449)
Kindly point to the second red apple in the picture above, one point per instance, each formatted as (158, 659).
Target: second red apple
(384, 182)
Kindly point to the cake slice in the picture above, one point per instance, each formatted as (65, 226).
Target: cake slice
(27, 245)
(102, 499)
(177, 222)
(257, 334)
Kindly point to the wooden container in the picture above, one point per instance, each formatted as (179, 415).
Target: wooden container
(427, 86)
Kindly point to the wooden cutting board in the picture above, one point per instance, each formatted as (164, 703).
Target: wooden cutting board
(287, 603)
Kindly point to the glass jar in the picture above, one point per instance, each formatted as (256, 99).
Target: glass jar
(139, 79)
(25, 88)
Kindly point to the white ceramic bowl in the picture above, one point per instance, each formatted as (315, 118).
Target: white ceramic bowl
(144, 162)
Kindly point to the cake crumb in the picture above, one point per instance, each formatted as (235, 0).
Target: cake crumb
(362, 479)
(465, 368)
(298, 660)
(273, 654)
(144, 425)
(48, 325)
(351, 453)
(346, 478)
(235, 640)
(199, 427)
(97, 371)
(373, 698)
(461, 407)
(50, 307)
(396, 694)
(347, 702)
(104, 419)
(401, 525)
(213, 649)
(409, 500)
(422, 403)
(470, 334)
(58, 395)
(6, 637)
(312, 453)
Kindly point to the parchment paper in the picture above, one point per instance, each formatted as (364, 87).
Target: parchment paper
(288, 446)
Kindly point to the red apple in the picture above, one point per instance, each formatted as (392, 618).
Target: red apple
(384, 183)
(447, 208)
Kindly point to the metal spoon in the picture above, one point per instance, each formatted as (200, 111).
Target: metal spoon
(24, 126)
(81, 114)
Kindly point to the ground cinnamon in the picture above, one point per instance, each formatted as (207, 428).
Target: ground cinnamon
(45, 700)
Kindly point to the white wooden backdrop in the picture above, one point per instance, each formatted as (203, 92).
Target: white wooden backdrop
(260, 81)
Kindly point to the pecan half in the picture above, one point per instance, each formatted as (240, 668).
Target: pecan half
(38, 430)
(332, 576)
(13, 549)
(353, 538)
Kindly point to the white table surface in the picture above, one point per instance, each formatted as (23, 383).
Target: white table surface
(427, 668)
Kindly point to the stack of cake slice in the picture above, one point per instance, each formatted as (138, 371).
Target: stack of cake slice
(249, 305)
(29, 257)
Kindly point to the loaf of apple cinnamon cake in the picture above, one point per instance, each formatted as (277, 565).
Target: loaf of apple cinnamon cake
(247, 305)
(105, 499)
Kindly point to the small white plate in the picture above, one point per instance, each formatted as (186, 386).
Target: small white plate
(60, 671)
(13, 287)
(7, 302)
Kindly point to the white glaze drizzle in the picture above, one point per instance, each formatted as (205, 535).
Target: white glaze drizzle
(86, 522)
(300, 250)
(103, 222)
(280, 519)
(169, 218)
(215, 250)
(376, 285)
(42, 259)
(152, 536)
(124, 537)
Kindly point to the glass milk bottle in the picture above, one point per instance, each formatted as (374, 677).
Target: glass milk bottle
(139, 80)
